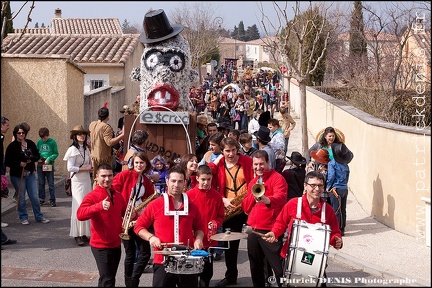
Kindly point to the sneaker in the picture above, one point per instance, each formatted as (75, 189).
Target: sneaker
(9, 242)
(225, 282)
(85, 238)
(53, 203)
(217, 257)
(44, 221)
(79, 241)
(41, 202)
(4, 225)
(25, 222)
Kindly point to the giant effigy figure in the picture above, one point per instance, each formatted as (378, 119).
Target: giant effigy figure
(165, 71)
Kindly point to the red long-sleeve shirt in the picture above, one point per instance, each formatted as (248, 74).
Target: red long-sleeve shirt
(125, 181)
(262, 216)
(211, 208)
(164, 224)
(106, 225)
(219, 171)
(288, 214)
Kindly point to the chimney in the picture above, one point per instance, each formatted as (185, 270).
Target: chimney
(57, 13)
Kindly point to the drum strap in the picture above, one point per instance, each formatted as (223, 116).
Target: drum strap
(176, 213)
(299, 207)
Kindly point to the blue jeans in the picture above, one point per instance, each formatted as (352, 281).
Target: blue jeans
(49, 175)
(286, 144)
(340, 207)
(243, 121)
(28, 184)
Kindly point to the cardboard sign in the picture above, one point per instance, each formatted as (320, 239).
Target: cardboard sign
(161, 117)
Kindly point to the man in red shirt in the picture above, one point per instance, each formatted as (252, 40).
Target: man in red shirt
(262, 211)
(106, 224)
(175, 219)
(312, 208)
(212, 211)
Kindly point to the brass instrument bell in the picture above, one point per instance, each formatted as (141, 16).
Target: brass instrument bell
(258, 189)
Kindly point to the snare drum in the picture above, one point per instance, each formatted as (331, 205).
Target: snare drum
(307, 256)
(184, 264)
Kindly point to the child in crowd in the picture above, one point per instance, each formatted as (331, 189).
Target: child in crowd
(48, 151)
(246, 142)
(158, 166)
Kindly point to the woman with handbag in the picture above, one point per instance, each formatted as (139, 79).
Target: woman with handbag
(79, 166)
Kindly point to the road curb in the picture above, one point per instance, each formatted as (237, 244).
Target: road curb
(373, 269)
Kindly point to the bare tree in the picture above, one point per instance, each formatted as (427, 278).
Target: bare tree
(202, 30)
(8, 19)
(290, 36)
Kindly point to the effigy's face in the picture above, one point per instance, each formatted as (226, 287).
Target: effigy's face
(166, 74)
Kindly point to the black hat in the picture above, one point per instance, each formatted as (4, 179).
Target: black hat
(263, 134)
(297, 158)
(341, 153)
(157, 27)
(224, 125)
(263, 118)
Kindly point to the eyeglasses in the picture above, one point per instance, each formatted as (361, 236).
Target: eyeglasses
(21, 133)
(313, 186)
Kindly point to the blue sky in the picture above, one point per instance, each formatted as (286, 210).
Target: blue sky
(232, 12)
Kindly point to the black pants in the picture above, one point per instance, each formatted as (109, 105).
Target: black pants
(107, 261)
(231, 255)
(260, 252)
(207, 273)
(163, 279)
(134, 268)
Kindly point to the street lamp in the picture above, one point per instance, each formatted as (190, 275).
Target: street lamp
(218, 21)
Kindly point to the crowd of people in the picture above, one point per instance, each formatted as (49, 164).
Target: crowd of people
(156, 204)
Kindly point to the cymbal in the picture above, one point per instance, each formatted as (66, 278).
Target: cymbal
(167, 252)
(228, 236)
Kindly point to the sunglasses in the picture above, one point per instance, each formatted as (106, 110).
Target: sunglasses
(21, 133)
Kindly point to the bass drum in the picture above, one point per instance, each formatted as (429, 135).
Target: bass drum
(307, 256)
(182, 264)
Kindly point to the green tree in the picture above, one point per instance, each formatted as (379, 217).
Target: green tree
(6, 19)
(239, 32)
(357, 41)
(252, 33)
(128, 29)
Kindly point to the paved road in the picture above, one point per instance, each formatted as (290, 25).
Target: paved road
(46, 256)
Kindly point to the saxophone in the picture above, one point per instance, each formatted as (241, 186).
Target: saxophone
(141, 206)
(231, 212)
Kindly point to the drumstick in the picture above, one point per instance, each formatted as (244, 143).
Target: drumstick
(248, 230)
(172, 243)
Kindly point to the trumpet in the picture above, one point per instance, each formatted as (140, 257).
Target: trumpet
(129, 209)
(258, 189)
(127, 218)
(141, 206)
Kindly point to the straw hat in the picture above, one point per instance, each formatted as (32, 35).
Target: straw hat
(78, 129)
